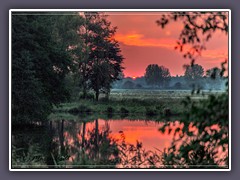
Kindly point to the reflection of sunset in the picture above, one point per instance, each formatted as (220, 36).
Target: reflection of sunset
(75, 135)
(146, 132)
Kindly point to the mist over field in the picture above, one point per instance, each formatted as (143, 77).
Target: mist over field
(175, 83)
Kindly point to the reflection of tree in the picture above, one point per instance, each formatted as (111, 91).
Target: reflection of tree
(100, 150)
(83, 134)
(74, 147)
(92, 149)
(61, 136)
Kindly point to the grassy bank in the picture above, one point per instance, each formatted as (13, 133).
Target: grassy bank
(164, 107)
(131, 103)
(92, 117)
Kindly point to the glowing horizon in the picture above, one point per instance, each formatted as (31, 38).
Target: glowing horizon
(143, 42)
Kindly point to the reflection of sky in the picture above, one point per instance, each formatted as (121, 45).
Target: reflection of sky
(143, 42)
(146, 132)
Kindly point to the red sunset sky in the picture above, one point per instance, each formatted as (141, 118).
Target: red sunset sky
(143, 42)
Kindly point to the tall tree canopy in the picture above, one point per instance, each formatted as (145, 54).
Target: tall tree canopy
(39, 65)
(46, 47)
(104, 56)
(96, 54)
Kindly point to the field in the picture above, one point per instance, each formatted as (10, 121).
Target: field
(134, 103)
(143, 94)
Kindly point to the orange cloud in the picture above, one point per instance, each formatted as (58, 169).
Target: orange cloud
(136, 39)
(215, 54)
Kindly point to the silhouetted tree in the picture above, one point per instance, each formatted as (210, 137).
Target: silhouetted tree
(215, 78)
(193, 72)
(106, 57)
(87, 32)
(214, 73)
(156, 75)
(94, 51)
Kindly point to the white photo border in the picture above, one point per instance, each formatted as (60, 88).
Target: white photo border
(117, 10)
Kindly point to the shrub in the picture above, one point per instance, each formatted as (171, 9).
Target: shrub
(88, 96)
(110, 110)
(124, 110)
(178, 85)
(151, 112)
(80, 109)
(167, 112)
(73, 111)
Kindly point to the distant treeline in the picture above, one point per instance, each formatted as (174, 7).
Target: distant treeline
(176, 82)
(193, 78)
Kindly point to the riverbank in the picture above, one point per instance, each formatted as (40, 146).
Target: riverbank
(124, 107)
(132, 104)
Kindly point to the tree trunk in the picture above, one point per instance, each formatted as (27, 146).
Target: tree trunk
(83, 134)
(61, 136)
(97, 95)
(96, 140)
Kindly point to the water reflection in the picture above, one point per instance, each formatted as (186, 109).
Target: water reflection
(105, 143)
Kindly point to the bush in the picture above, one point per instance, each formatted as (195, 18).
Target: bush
(124, 110)
(178, 85)
(73, 111)
(88, 96)
(110, 110)
(151, 112)
(80, 109)
(167, 112)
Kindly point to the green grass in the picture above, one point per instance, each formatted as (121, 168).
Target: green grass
(127, 103)
(61, 116)
(115, 116)
(126, 106)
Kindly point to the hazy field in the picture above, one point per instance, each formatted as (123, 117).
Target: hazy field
(142, 94)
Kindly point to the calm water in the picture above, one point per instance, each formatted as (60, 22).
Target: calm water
(99, 143)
